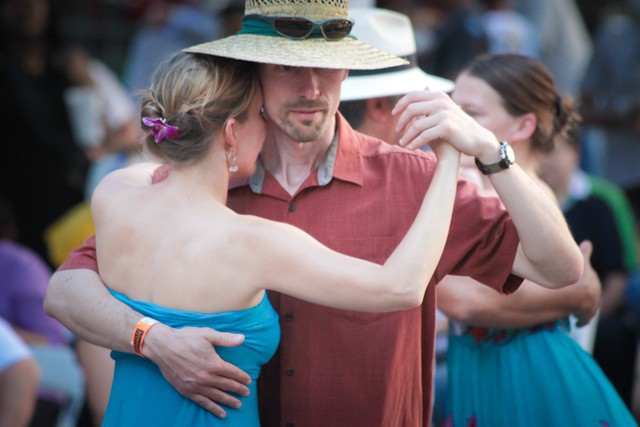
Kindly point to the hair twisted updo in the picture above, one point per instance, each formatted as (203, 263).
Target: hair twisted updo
(526, 86)
(197, 94)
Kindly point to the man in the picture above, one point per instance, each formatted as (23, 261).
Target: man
(358, 196)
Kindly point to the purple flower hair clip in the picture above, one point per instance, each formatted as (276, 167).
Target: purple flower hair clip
(160, 129)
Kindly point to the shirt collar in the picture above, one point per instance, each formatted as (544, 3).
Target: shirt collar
(343, 160)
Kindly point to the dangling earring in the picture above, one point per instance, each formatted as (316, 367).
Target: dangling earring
(231, 160)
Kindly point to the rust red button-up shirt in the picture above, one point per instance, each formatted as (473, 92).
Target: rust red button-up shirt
(344, 368)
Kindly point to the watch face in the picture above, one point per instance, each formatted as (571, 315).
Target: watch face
(509, 155)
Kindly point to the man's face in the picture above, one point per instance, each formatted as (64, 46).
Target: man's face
(301, 102)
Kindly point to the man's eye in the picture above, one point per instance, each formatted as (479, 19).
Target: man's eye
(284, 68)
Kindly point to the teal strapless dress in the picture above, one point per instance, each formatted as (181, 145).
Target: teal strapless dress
(537, 376)
(140, 396)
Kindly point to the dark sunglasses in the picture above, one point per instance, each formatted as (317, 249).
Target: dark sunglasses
(297, 28)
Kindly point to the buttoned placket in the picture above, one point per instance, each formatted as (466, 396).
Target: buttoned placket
(324, 177)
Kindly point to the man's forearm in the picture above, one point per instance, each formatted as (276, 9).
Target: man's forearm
(550, 256)
(81, 302)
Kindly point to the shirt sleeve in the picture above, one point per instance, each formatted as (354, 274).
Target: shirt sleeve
(483, 241)
(83, 257)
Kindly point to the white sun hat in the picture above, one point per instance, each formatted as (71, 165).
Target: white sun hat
(391, 32)
(259, 41)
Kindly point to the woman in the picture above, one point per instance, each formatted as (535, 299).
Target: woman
(516, 365)
(176, 253)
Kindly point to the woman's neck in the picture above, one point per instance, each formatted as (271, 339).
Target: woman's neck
(205, 179)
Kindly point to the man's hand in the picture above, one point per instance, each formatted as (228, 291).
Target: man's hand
(188, 360)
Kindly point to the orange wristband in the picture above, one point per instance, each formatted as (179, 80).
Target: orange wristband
(140, 332)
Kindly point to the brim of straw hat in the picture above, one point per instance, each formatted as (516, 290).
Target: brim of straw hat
(392, 83)
(346, 53)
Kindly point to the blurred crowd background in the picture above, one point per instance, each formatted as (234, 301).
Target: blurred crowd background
(69, 72)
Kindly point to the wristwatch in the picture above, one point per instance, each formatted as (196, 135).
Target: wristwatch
(507, 159)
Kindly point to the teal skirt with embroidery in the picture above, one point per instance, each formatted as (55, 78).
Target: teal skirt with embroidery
(528, 377)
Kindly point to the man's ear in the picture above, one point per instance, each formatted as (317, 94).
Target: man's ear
(229, 135)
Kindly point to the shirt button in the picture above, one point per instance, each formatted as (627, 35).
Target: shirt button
(290, 372)
(288, 317)
(292, 207)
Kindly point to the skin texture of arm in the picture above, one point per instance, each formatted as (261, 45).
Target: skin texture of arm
(18, 393)
(465, 300)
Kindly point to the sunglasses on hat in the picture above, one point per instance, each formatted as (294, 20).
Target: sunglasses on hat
(298, 28)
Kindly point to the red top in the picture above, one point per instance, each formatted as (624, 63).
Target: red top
(345, 368)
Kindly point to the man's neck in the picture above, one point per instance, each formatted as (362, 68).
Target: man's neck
(291, 162)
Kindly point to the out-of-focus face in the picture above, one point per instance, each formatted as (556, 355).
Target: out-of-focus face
(301, 102)
(251, 135)
(558, 165)
(484, 104)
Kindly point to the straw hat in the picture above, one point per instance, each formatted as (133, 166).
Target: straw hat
(391, 32)
(268, 47)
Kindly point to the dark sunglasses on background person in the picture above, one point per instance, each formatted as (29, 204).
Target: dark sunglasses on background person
(297, 28)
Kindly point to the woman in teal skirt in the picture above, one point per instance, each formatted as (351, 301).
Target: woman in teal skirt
(510, 359)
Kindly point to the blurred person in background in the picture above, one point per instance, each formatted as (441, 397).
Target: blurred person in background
(168, 26)
(507, 29)
(45, 169)
(24, 277)
(563, 40)
(595, 207)
(459, 36)
(611, 101)
(19, 379)
(62, 110)
(520, 344)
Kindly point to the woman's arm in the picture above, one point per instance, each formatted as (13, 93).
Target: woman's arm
(292, 262)
(467, 301)
(547, 254)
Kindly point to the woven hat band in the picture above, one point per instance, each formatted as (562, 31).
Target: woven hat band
(315, 10)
